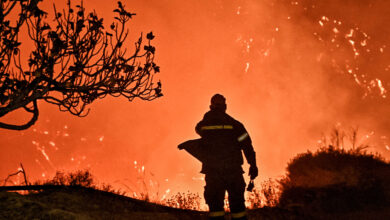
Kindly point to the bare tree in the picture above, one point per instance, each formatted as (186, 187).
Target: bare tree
(74, 60)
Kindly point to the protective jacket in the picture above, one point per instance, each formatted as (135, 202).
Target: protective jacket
(225, 138)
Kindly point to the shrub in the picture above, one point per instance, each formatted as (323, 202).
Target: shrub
(335, 179)
(79, 178)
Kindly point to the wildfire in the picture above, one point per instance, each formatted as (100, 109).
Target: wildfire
(358, 41)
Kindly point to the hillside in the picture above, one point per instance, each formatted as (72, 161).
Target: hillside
(87, 203)
(84, 203)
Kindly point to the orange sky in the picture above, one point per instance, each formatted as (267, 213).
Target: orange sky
(290, 70)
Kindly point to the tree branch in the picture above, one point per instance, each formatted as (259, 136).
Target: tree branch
(32, 121)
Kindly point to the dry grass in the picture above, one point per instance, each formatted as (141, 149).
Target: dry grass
(264, 195)
(190, 201)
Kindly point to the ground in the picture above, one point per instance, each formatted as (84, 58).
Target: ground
(87, 203)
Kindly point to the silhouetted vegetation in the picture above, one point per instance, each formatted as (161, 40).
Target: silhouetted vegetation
(187, 200)
(265, 194)
(74, 61)
(78, 178)
(333, 179)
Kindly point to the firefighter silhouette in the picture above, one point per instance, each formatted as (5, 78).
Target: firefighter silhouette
(220, 150)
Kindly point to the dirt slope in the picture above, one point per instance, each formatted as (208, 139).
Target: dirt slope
(85, 204)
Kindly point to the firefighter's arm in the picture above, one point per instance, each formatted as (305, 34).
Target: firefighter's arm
(249, 152)
(250, 155)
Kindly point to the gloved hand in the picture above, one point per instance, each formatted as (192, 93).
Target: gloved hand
(253, 172)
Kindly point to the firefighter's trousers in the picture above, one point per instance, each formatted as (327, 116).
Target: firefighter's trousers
(214, 194)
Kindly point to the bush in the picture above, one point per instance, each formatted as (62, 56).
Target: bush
(79, 178)
(335, 179)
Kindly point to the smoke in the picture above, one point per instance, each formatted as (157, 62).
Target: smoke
(277, 63)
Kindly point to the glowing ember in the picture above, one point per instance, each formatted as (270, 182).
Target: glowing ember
(165, 194)
(247, 67)
(42, 150)
(350, 34)
(382, 89)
